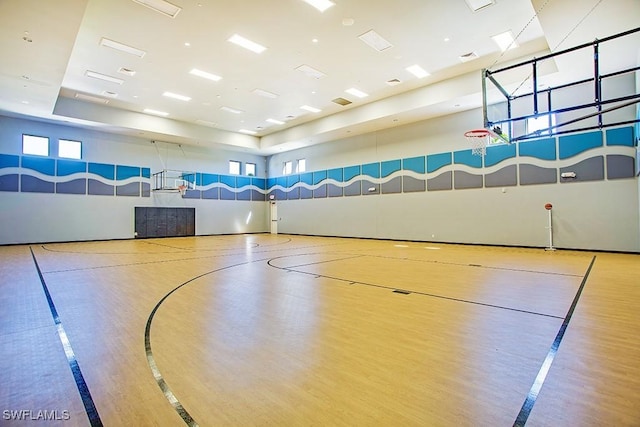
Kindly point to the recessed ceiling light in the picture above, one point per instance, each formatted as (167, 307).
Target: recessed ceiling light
(104, 77)
(187, 44)
(311, 72)
(90, 98)
(109, 94)
(446, 39)
(176, 96)
(311, 109)
(206, 123)
(275, 122)
(156, 112)
(164, 7)
(314, 40)
(246, 43)
(122, 47)
(205, 75)
(248, 132)
(505, 41)
(230, 110)
(375, 40)
(265, 93)
(355, 92)
(417, 71)
(321, 5)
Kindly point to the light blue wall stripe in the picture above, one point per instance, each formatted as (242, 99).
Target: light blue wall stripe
(124, 172)
(415, 164)
(465, 157)
(259, 182)
(228, 180)
(69, 167)
(210, 178)
(620, 136)
(371, 169)
(389, 167)
(335, 174)
(351, 172)
(307, 178)
(319, 176)
(572, 145)
(43, 165)
(9, 161)
(146, 173)
(103, 170)
(498, 153)
(544, 149)
(292, 179)
(436, 161)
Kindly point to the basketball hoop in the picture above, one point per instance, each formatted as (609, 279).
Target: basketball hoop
(478, 139)
(182, 189)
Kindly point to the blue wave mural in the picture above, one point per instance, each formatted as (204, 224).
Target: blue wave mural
(591, 156)
(61, 176)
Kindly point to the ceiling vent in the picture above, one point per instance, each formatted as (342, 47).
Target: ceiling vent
(164, 7)
(468, 57)
(341, 101)
(476, 5)
(127, 71)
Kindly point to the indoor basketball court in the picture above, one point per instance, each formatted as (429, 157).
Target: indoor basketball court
(281, 330)
(361, 214)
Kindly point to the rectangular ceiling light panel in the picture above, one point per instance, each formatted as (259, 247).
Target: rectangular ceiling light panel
(356, 92)
(275, 122)
(246, 43)
(176, 96)
(164, 7)
(204, 75)
(321, 5)
(122, 47)
(476, 5)
(156, 112)
(417, 71)
(311, 109)
(375, 40)
(265, 93)
(505, 41)
(231, 110)
(311, 72)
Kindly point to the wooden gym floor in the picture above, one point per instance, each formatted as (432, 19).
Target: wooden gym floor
(281, 330)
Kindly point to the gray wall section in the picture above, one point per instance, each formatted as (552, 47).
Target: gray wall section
(591, 169)
(505, 177)
(619, 167)
(463, 180)
(532, 175)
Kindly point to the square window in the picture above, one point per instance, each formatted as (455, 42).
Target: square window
(541, 124)
(301, 166)
(69, 149)
(234, 167)
(287, 168)
(36, 145)
(250, 169)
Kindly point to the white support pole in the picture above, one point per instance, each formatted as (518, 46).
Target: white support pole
(550, 248)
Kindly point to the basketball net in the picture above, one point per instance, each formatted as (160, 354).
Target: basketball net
(182, 189)
(478, 140)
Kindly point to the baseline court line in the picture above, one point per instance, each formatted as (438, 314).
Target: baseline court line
(527, 406)
(83, 389)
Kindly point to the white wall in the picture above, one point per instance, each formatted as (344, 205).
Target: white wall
(600, 215)
(39, 217)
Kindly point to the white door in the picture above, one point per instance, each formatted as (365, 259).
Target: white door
(274, 218)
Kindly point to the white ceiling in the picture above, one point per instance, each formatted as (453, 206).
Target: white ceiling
(48, 46)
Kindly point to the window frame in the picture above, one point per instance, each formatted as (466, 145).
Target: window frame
(60, 140)
(26, 137)
(239, 166)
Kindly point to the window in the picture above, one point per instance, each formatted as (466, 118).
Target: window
(301, 165)
(37, 145)
(541, 124)
(234, 167)
(288, 168)
(69, 149)
(250, 169)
